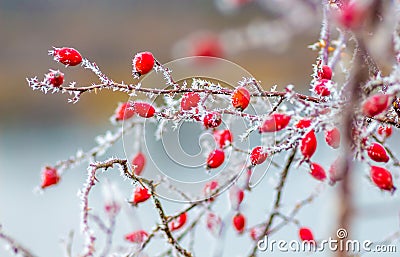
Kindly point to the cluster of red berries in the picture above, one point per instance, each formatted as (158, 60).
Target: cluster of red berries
(144, 62)
(321, 87)
(381, 177)
(67, 56)
(236, 197)
(240, 100)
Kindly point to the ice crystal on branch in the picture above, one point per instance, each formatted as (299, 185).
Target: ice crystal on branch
(350, 103)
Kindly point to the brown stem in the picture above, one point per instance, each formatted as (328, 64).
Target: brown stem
(16, 247)
(277, 201)
(345, 194)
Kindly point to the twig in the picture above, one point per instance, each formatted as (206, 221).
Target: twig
(165, 228)
(278, 198)
(16, 247)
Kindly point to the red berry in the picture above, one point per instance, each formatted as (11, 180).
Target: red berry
(142, 63)
(351, 16)
(377, 153)
(382, 178)
(303, 123)
(214, 223)
(178, 222)
(385, 131)
(207, 46)
(139, 161)
(124, 111)
(50, 177)
(138, 236)
(215, 159)
(332, 137)
(257, 155)
(239, 222)
(240, 98)
(223, 137)
(190, 100)
(210, 189)
(317, 171)
(212, 120)
(325, 72)
(275, 122)
(236, 195)
(308, 144)
(256, 233)
(306, 234)
(375, 105)
(335, 171)
(141, 194)
(66, 55)
(55, 78)
(321, 88)
(144, 110)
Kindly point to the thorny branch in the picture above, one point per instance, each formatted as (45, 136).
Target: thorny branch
(344, 102)
(277, 201)
(15, 247)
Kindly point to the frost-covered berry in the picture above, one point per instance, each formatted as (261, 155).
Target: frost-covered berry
(375, 104)
(212, 120)
(236, 196)
(139, 161)
(215, 159)
(256, 233)
(66, 55)
(141, 194)
(50, 177)
(303, 123)
(138, 236)
(142, 63)
(210, 188)
(385, 131)
(144, 109)
(325, 72)
(177, 223)
(258, 155)
(275, 122)
(240, 98)
(321, 88)
(190, 100)
(223, 137)
(55, 78)
(124, 111)
(377, 153)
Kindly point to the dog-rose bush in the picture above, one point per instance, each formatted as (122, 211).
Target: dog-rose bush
(351, 102)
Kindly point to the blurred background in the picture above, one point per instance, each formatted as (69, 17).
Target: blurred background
(37, 129)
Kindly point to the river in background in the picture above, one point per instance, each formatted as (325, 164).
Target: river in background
(40, 221)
